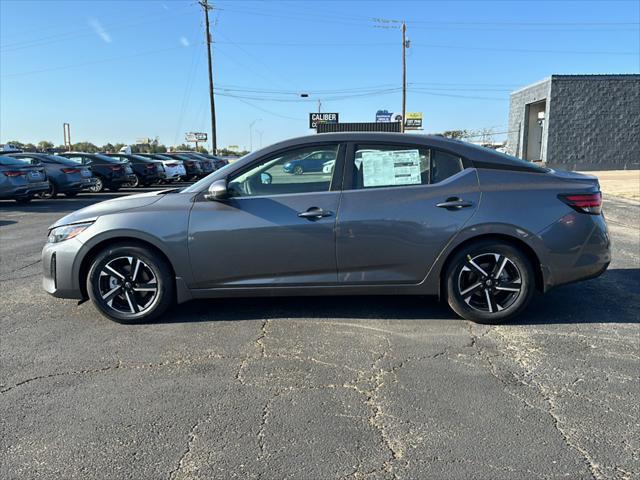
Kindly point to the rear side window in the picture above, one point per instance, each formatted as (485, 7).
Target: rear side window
(11, 161)
(377, 166)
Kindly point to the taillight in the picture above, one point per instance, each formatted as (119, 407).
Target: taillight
(115, 168)
(70, 170)
(14, 173)
(584, 202)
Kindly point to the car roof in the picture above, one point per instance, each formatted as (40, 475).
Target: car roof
(480, 156)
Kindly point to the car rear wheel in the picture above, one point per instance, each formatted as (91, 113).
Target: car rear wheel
(51, 193)
(298, 170)
(98, 186)
(489, 282)
(134, 183)
(130, 284)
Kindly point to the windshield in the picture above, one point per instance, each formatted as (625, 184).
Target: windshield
(4, 160)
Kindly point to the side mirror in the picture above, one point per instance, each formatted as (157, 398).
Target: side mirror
(217, 190)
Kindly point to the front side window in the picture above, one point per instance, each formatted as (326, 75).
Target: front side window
(299, 170)
(378, 166)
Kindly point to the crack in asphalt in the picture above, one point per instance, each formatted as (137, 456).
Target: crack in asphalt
(544, 393)
(24, 267)
(117, 366)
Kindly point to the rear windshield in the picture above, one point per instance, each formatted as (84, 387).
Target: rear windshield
(61, 160)
(510, 158)
(107, 159)
(160, 157)
(11, 161)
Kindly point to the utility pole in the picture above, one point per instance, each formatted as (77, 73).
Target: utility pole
(206, 7)
(405, 45)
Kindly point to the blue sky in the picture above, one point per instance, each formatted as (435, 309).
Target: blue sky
(120, 70)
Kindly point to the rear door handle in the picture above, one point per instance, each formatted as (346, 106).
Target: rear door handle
(315, 213)
(454, 203)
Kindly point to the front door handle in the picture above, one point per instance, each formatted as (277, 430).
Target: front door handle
(454, 203)
(315, 213)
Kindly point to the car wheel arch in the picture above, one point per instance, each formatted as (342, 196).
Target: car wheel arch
(99, 246)
(496, 237)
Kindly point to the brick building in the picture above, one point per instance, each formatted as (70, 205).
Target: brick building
(578, 122)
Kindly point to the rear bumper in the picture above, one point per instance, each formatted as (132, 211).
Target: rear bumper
(27, 190)
(578, 248)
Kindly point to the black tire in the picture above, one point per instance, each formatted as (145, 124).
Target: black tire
(298, 170)
(52, 193)
(124, 298)
(501, 294)
(71, 194)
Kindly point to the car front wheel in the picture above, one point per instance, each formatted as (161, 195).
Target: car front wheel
(130, 283)
(489, 282)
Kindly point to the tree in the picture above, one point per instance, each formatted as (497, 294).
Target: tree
(16, 144)
(87, 147)
(108, 148)
(457, 134)
(45, 145)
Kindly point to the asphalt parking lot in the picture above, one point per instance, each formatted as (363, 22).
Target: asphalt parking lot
(315, 388)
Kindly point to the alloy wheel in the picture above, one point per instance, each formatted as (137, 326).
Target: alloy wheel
(97, 187)
(489, 282)
(128, 285)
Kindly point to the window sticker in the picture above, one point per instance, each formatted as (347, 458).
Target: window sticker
(393, 167)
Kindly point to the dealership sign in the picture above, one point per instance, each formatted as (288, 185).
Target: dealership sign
(195, 137)
(383, 116)
(316, 118)
(413, 121)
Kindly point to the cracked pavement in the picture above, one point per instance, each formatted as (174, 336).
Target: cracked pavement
(315, 388)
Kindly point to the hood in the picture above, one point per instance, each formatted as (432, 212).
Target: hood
(115, 205)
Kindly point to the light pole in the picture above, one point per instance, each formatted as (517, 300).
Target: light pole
(260, 132)
(251, 133)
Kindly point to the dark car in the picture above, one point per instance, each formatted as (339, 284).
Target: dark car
(146, 170)
(65, 175)
(398, 215)
(218, 162)
(20, 180)
(192, 165)
(109, 172)
(173, 168)
(207, 164)
(313, 162)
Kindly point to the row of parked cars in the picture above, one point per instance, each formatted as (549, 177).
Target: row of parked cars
(25, 175)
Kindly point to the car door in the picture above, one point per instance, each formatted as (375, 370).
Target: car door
(400, 206)
(276, 229)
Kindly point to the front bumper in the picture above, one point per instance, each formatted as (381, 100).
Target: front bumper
(60, 274)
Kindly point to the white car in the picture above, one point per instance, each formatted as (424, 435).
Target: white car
(174, 169)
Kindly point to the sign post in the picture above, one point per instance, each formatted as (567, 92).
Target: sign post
(195, 137)
(316, 118)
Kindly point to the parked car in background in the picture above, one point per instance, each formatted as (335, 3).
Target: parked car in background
(206, 164)
(399, 214)
(192, 165)
(218, 162)
(20, 180)
(109, 172)
(146, 170)
(64, 175)
(173, 169)
(313, 162)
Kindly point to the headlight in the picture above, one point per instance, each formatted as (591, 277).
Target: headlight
(66, 232)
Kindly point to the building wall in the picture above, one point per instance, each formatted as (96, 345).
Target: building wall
(593, 122)
(517, 136)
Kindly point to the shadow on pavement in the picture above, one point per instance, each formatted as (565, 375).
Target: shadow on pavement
(4, 223)
(612, 298)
